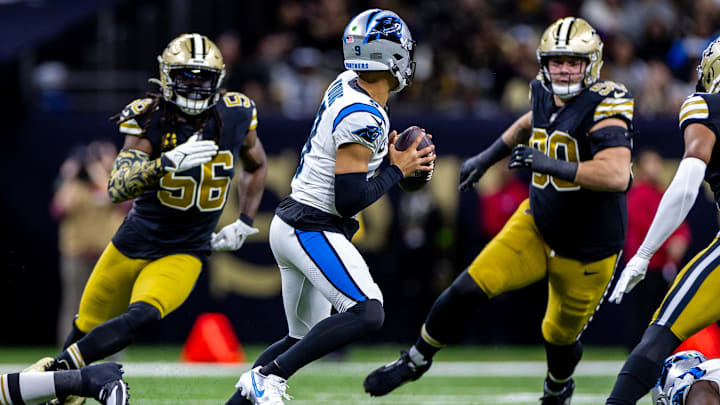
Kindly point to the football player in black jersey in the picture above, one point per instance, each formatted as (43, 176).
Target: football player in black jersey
(575, 140)
(691, 304)
(179, 156)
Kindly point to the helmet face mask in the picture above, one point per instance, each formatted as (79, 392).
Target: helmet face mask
(191, 71)
(566, 74)
(572, 37)
(379, 40)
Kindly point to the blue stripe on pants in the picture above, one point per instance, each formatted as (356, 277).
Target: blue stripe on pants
(327, 260)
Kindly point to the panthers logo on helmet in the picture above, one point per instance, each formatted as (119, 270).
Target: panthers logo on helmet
(389, 28)
(191, 71)
(376, 40)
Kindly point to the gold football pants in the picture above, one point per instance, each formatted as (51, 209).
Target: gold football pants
(691, 304)
(118, 281)
(518, 256)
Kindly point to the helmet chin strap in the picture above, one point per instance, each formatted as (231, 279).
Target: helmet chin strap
(566, 92)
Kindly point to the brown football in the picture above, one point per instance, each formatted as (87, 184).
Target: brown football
(419, 179)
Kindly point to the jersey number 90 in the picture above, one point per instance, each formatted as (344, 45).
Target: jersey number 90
(210, 194)
(558, 145)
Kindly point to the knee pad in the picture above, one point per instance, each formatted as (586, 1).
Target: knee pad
(371, 313)
(657, 343)
(141, 314)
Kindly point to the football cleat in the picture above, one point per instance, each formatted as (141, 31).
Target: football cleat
(114, 393)
(392, 375)
(105, 383)
(561, 397)
(40, 366)
(260, 389)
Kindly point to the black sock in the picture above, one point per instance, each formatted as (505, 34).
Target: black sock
(68, 382)
(561, 360)
(642, 368)
(450, 314)
(274, 368)
(238, 399)
(328, 335)
(274, 350)
(108, 338)
(13, 382)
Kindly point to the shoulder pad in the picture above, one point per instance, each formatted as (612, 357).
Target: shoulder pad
(694, 107)
(235, 99)
(137, 107)
(126, 120)
(615, 101)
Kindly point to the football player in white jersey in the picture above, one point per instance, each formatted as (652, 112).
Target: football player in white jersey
(311, 232)
(688, 378)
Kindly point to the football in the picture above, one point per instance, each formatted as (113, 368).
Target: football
(419, 179)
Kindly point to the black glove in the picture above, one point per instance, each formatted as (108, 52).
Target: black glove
(533, 159)
(474, 168)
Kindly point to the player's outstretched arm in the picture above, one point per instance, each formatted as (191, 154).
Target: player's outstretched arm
(674, 205)
(251, 184)
(473, 169)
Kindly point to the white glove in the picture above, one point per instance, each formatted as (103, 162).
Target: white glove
(232, 236)
(190, 154)
(633, 273)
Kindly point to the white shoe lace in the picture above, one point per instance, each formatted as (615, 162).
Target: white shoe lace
(277, 387)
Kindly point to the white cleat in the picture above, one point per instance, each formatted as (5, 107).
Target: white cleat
(260, 389)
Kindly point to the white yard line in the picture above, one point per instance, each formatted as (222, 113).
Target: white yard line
(351, 369)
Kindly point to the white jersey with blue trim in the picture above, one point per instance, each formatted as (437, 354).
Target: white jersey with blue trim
(347, 114)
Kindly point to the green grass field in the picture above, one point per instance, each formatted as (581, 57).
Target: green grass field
(462, 375)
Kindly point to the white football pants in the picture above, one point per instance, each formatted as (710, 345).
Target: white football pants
(319, 270)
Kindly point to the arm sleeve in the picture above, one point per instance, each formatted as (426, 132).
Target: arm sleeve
(675, 205)
(353, 192)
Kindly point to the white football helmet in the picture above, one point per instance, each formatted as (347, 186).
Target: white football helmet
(673, 368)
(377, 40)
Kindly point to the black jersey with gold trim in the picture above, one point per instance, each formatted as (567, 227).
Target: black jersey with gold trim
(576, 222)
(704, 108)
(180, 213)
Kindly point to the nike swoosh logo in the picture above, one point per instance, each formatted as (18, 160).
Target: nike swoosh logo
(258, 393)
(590, 273)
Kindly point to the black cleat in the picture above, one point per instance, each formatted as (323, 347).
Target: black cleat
(104, 382)
(561, 397)
(392, 375)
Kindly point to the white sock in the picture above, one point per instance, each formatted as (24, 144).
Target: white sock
(417, 357)
(37, 387)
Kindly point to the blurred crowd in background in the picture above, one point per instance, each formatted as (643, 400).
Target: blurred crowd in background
(474, 61)
(474, 57)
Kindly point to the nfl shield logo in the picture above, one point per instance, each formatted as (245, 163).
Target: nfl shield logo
(349, 39)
